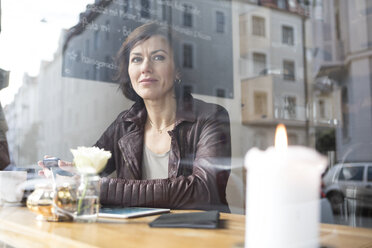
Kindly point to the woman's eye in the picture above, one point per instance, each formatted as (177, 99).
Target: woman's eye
(136, 59)
(158, 58)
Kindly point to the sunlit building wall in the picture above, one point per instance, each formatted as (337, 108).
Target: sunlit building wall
(78, 110)
(343, 55)
(23, 121)
(272, 72)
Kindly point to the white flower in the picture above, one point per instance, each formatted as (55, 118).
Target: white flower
(90, 159)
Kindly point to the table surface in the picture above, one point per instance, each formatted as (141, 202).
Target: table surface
(19, 228)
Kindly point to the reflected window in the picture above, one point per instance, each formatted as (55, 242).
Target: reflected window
(187, 15)
(282, 4)
(164, 10)
(290, 106)
(345, 113)
(259, 63)
(288, 70)
(187, 56)
(126, 6)
(369, 174)
(220, 22)
(260, 103)
(287, 35)
(145, 8)
(322, 110)
(96, 39)
(258, 26)
(354, 173)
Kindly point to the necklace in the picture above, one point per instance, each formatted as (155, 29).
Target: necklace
(160, 131)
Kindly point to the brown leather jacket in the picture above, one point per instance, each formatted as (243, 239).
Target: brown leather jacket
(199, 159)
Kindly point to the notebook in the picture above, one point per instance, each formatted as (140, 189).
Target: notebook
(129, 212)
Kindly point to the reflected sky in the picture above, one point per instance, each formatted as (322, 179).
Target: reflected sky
(29, 33)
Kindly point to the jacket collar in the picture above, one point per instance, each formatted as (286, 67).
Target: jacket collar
(185, 111)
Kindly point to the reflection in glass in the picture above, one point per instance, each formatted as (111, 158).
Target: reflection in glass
(307, 64)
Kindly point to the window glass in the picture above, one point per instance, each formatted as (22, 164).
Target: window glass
(260, 103)
(187, 15)
(187, 56)
(288, 70)
(304, 63)
(258, 26)
(145, 8)
(288, 35)
(290, 107)
(259, 63)
(220, 22)
(351, 173)
(369, 174)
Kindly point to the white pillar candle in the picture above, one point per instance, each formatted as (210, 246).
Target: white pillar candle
(283, 188)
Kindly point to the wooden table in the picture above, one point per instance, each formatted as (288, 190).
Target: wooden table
(19, 228)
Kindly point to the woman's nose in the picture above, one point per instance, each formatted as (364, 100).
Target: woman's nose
(146, 66)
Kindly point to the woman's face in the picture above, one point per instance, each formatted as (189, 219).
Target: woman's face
(151, 68)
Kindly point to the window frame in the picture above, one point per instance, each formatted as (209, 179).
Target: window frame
(288, 40)
(187, 15)
(220, 25)
(289, 76)
(191, 60)
(290, 110)
(258, 26)
(348, 180)
(255, 65)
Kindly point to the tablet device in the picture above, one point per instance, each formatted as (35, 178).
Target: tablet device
(130, 212)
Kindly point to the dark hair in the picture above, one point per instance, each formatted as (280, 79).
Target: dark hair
(139, 34)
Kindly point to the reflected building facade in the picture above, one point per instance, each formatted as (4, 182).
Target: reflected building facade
(23, 121)
(78, 102)
(271, 50)
(252, 57)
(203, 49)
(343, 66)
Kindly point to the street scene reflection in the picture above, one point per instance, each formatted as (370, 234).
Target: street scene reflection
(304, 63)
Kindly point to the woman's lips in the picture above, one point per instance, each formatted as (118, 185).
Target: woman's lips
(147, 81)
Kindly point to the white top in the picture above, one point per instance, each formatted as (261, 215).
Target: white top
(154, 166)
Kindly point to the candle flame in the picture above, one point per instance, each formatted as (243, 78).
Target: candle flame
(281, 140)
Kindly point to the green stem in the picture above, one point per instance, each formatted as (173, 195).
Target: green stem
(80, 203)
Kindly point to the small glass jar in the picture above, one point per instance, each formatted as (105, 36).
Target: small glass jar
(88, 198)
(40, 201)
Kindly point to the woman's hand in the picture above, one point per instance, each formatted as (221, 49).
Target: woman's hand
(63, 165)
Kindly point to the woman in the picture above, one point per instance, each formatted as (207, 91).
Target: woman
(168, 149)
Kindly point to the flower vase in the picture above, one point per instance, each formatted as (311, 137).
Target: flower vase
(88, 198)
